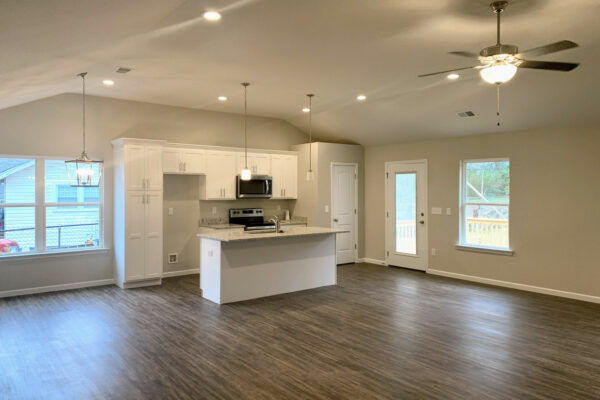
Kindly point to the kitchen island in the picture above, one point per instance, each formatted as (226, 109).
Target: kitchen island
(237, 265)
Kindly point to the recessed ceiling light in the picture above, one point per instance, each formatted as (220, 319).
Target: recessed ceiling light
(361, 97)
(212, 15)
(222, 98)
(305, 109)
(108, 82)
(453, 76)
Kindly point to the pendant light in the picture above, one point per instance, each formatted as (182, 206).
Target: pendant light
(309, 174)
(246, 174)
(83, 172)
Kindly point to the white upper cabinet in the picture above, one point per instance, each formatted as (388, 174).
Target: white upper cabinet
(285, 176)
(258, 163)
(143, 167)
(219, 183)
(183, 161)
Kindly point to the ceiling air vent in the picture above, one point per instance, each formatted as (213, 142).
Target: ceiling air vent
(122, 70)
(466, 114)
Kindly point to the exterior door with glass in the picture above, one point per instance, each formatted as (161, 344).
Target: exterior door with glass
(406, 212)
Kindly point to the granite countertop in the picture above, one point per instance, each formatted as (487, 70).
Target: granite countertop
(236, 236)
(221, 226)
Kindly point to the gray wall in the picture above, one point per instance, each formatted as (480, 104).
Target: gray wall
(52, 127)
(314, 195)
(554, 213)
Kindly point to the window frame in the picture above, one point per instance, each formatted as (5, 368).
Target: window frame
(463, 203)
(40, 205)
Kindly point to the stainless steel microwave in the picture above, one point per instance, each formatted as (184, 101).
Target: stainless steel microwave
(259, 186)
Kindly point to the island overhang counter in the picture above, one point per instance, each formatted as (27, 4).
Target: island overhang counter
(236, 266)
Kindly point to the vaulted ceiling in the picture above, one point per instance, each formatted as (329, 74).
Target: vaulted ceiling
(287, 48)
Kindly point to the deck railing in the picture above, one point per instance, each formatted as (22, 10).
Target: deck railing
(479, 231)
(488, 232)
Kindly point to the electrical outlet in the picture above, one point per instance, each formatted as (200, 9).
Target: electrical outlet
(214, 210)
(170, 210)
(448, 211)
(327, 209)
(433, 252)
(173, 258)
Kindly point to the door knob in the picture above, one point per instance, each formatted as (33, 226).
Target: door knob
(422, 222)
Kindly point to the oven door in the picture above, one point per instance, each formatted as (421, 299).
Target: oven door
(260, 186)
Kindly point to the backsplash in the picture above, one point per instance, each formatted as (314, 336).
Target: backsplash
(221, 208)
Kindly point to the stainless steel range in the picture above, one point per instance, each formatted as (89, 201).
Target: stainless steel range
(252, 219)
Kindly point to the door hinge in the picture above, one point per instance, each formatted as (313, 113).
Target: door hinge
(355, 246)
(355, 176)
(387, 174)
(388, 253)
(355, 211)
(387, 214)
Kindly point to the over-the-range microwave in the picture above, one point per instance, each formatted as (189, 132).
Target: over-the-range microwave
(259, 186)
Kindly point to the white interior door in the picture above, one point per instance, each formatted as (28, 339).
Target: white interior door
(406, 212)
(344, 209)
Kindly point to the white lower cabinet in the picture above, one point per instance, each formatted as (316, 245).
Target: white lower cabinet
(143, 236)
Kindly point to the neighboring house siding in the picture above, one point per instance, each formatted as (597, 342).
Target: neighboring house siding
(20, 188)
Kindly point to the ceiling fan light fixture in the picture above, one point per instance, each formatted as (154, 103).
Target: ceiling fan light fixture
(453, 76)
(212, 15)
(498, 73)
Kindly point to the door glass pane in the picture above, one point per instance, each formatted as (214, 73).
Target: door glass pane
(406, 213)
(486, 226)
(72, 227)
(17, 230)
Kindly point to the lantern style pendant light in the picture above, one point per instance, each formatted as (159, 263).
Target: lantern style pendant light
(83, 172)
(309, 174)
(246, 174)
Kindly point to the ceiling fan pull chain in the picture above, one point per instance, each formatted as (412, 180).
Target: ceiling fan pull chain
(498, 103)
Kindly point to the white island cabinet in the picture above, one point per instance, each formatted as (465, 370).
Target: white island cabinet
(236, 266)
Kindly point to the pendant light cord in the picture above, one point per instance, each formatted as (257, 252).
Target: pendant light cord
(245, 84)
(310, 96)
(82, 75)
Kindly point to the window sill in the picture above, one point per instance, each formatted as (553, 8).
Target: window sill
(58, 253)
(485, 250)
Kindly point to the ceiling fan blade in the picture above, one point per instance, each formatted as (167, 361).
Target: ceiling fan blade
(549, 65)
(448, 71)
(467, 54)
(550, 48)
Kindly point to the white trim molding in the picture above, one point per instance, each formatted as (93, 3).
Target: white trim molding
(56, 288)
(371, 261)
(181, 272)
(486, 250)
(518, 286)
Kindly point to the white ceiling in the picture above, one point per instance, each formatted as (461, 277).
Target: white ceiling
(287, 48)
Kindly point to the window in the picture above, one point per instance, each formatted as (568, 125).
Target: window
(485, 197)
(40, 212)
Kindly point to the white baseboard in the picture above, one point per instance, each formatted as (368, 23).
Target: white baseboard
(519, 286)
(55, 288)
(371, 261)
(182, 272)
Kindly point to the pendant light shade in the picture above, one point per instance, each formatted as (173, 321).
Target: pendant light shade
(83, 172)
(310, 174)
(246, 174)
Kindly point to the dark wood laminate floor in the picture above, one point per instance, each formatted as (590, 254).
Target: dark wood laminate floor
(381, 333)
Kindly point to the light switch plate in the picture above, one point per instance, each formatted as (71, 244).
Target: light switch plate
(436, 210)
(170, 210)
(214, 210)
(448, 211)
(326, 208)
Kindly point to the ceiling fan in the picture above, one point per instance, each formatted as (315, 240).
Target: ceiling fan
(499, 63)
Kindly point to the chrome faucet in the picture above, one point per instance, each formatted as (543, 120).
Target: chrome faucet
(277, 222)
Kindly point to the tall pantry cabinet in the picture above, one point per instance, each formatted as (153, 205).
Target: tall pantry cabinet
(138, 225)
